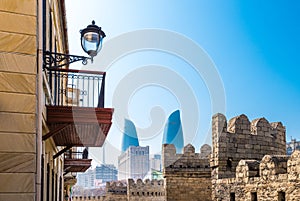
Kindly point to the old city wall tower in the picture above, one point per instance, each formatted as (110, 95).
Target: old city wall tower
(242, 139)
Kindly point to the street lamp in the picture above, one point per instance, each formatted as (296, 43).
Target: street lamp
(91, 42)
(91, 39)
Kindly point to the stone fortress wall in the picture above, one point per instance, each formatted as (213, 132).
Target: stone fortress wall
(275, 177)
(242, 139)
(187, 175)
(248, 162)
(115, 191)
(133, 191)
(148, 190)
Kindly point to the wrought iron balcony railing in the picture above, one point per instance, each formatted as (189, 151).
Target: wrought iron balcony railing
(76, 162)
(75, 107)
(76, 87)
(75, 155)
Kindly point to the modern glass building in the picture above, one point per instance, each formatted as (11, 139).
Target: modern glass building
(129, 136)
(106, 173)
(101, 174)
(173, 131)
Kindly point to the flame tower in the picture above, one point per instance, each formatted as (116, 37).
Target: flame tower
(129, 136)
(173, 131)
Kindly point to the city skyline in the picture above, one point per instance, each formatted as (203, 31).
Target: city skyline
(187, 100)
(253, 44)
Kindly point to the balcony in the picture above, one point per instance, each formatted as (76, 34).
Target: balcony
(76, 162)
(75, 111)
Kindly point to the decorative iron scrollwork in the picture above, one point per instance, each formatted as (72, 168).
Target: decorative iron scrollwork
(57, 60)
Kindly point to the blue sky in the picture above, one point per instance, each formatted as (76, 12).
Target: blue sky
(254, 45)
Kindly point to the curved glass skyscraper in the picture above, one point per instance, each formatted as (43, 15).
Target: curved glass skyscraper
(173, 131)
(129, 136)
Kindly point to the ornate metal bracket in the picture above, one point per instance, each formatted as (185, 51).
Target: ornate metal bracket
(56, 60)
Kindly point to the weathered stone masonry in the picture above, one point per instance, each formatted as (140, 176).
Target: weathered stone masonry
(133, 191)
(248, 163)
(240, 140)
(272, 178)
(187, 175)
(243, 140)
(146, 191)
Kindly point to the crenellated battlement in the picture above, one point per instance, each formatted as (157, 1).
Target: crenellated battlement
(189, 159)
(116, 187)
(241, 125)
(148, 183)
(135, 190)
(266, 177)
(241, 139)
(153, 188)
(187, 175)
(266, 169)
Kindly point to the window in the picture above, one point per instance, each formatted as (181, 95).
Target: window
(229, 163)
(253, 196)
(232, 196)
(281, 196)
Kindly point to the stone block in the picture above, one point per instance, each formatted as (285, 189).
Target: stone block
(17, 123)
(19, 63)
(19, 43)
(257, 147)
(25, 181)
(27, 7)
(12, 142)
(17, 83)
(17, 163)
(18, 103)
(16, 23)
(17, 197)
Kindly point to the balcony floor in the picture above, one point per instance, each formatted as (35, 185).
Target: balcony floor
(79, 126)
(77, 165)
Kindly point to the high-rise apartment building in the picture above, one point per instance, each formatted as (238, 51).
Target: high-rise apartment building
(99, 175)
(86, 179)
(133, 163)
(155, 162)
(106, 172)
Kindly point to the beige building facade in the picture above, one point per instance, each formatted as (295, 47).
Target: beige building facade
(27, 169)
(38, 148)
(20, 129)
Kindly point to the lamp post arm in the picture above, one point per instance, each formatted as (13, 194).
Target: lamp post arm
(56, 60)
